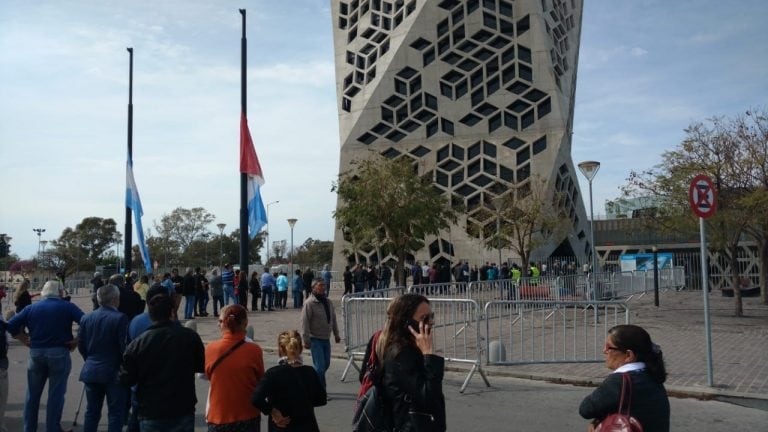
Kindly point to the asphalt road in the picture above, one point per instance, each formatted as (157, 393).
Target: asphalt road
(510, 404)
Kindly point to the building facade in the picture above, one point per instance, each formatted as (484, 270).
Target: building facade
(479, 94)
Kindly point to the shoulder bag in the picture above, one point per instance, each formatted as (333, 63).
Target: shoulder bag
(223, 356)
(622, 421)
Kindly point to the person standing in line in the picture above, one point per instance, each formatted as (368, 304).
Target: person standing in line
(327, 276)
(176, 279)
(162, 363)
(228, 281)
(318, 321)
(50, 341)
(201, 293)
(141, 287)
(308, 277)
(267, 290)
(296, 292)
(217, 292)
(130, 302)
(188, 290)
(242, 289)
(234, 368)
(282, 290)
(102, 338)
(22, 298)
(96, 283)
(347, 280)
(289, 391)
(255, 288)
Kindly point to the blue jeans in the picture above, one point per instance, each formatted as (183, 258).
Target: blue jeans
(189, 306)
(321, 356)
(267, 298)
(229, 293)
(298, 299)
(52, 365)
(173, 424)
(116, 395)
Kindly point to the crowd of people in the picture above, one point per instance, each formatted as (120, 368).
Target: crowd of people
(141, 360)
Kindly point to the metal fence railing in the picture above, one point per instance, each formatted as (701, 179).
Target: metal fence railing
(519, 332)
(455, 337)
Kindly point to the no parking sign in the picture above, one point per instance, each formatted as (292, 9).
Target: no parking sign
(702, 197)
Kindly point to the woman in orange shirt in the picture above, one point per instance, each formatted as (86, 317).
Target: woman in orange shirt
(234, 368)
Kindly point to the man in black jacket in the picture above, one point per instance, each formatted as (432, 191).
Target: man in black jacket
(130, 301)
(162, 362)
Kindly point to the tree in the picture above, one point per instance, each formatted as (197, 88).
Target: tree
(529, 218)
(386, 204)
(183, 226)
(717, 149)
(83, 246)
(314, 252)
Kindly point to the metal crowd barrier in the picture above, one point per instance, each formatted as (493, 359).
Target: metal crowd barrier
(520, 332)
(456, 338)
(384, 293)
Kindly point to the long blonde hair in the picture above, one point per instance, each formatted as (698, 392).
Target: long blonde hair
(24, 287)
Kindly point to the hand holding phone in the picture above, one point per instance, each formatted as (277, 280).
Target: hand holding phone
(422, 335)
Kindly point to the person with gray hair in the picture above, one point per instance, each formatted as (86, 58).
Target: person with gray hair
(101, 341)
(318, 321)
(50, 340)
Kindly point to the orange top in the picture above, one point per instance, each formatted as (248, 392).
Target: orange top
(233, 380)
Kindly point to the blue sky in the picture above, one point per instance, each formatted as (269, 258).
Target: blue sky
(647, 69)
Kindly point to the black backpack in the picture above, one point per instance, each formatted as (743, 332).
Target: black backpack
(372, 413)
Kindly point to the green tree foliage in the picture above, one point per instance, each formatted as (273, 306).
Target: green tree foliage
(182, 227)
(733, 153)
(83, 247)
(387, 205)
(529, 217)
(314, 252)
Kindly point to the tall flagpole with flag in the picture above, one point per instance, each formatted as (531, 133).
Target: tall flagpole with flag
(132, 200)
(252, 214)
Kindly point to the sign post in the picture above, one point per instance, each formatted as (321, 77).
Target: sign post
(702, 198)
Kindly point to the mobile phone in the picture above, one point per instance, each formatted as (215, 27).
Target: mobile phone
(412, 324)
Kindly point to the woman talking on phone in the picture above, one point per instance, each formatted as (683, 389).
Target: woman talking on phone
(412, 373)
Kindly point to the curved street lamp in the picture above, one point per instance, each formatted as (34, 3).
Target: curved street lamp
(292, 223)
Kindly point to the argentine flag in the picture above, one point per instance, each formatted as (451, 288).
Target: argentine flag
(133, 202)
(249, 165)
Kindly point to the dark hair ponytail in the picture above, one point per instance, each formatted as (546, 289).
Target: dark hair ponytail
(636, 339)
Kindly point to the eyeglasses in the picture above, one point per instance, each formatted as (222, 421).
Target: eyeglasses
(430, 317)
(613, 348)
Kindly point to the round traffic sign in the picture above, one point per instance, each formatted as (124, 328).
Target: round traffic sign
(701, 196)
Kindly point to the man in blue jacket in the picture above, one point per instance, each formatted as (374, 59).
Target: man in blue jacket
(50, 340)
(101, 341)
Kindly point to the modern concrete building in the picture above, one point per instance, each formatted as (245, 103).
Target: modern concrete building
(478, 93)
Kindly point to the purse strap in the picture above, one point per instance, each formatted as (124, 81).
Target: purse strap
(223, 356)
(626, 394)
(372, 356)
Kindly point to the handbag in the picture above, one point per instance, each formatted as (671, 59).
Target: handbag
(372, 413)
(370, 369)
(622, 421)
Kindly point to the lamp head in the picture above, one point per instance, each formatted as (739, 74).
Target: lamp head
(292, 222)
(589, 169)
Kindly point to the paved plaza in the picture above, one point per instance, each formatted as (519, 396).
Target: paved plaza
(740, 373)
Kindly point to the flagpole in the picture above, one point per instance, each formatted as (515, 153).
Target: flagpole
(243, 176)
(128, 228)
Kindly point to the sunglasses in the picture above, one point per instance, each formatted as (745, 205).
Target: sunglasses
(430, 317)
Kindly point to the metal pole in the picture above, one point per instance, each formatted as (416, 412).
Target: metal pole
(128, 227)
(705, 290)
(498, 233)
(592, 230)
(244, 238)
(655, 276)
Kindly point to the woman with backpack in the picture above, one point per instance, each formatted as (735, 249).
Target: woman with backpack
(638, 373)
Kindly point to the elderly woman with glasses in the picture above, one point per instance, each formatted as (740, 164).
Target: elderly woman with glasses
(629, 350)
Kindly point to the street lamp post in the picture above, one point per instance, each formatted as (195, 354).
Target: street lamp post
(589, 169)
(267, 229)
(39, 232)
(221, 227)
(497, 204)
(292, 223)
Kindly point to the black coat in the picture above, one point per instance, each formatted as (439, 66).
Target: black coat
(650, 405)
(413, 385)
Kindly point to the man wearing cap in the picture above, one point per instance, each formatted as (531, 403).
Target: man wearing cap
(50, 340)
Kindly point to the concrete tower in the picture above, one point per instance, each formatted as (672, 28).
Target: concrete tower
(478, 93)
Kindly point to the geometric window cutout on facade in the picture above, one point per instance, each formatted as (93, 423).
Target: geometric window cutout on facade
(457, 152)
(449, 165)
(481, 181)
(420, 44)
(457, 177)
(446, 126)
(465, 190)
(526, 120)
(534, 95)
(393, 101)
(473, 168)
(431, 128)
(428, 57)
(523, 25)
(390, 153)
(482, 36)
(420, 151)
(396, 135)
(441, 178)
(473, 151)
(524, 53)
(510, 120)
(381, 128)
(470, 119)
(366, 138)
(442, 154)
(489, 167)
(407, 72)
(494, 122)
(519, 106)
(523, 173)
(514, 143)
(540, 145)
(525, 72)
(544, 108)
(489, 149)
(486, 109)
(523, 156)
(518, 87)
(506, 174)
